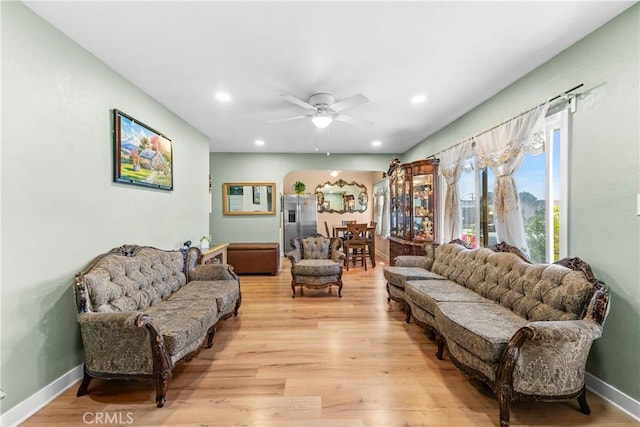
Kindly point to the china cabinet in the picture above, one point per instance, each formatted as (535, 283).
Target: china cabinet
(413, 194)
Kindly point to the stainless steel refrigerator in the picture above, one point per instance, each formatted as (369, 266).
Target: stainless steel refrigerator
(300, 217)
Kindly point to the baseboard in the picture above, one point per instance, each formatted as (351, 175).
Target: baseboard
(614, 396)
(39, 400)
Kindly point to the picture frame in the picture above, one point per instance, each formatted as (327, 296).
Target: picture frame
(142, 155)
(249, 198)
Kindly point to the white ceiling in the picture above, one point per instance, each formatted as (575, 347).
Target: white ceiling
(458, 54)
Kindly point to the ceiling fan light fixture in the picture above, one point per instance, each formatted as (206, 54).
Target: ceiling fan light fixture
(321, 121)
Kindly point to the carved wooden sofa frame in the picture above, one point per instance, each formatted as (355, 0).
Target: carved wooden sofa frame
(144, 334)
(595, 311)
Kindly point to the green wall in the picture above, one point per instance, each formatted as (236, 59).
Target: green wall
(239, 167)
(604, 174)
(59, 205)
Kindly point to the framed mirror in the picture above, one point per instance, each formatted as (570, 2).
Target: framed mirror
(342, 197)
(249, 198)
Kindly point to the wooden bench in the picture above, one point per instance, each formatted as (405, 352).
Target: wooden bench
(254, 258)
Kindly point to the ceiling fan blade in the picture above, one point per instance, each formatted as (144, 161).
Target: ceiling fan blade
(287, 119)
(352, 101)
(353, 120)
(299, 102)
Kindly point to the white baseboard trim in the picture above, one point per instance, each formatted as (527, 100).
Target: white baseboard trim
(614, 396)
(39, 400)
(23, 410)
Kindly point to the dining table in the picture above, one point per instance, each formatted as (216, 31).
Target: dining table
(341, 231)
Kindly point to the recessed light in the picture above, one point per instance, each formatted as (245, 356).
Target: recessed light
(376, 143)
(259, 142)
(418, 99)
(223, 96)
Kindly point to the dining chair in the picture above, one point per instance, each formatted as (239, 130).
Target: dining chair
(356, 244)
(345, 222)
(370, 237)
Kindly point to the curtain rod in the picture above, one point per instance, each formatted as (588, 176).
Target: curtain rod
(561, 95)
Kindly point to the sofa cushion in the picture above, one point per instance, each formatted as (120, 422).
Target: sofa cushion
(182, 322)
(481, 328)
(315, 247)
(397, 276)
(119, 283)
(427, 293)
(225, 293)
(316, 267)
(444, 262)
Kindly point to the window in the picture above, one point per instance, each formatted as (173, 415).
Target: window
(543, 189)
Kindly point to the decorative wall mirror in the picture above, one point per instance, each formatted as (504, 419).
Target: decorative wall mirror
(249, 198)
(342, 197)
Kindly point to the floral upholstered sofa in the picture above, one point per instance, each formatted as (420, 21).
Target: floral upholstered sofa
(316, 262)
(143, 310)
(524, 329)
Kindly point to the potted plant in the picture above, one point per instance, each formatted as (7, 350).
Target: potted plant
(204, 242)
(299, 187)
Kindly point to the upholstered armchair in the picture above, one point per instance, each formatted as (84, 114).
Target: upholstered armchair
(316, 262)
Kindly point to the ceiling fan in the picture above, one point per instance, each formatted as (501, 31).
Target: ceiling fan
(323, 109)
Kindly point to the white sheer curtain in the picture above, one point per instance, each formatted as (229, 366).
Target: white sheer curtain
(502, 149)
(451, 164)
(381, 205)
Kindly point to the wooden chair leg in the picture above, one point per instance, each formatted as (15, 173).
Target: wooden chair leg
(582, 401)
(84, 385)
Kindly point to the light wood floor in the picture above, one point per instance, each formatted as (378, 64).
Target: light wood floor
(317, 361)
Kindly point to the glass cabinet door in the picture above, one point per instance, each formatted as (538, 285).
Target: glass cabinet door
(400, 205)
(423, 207)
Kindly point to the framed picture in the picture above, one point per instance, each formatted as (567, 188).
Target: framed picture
(249, 198)
(142, 155)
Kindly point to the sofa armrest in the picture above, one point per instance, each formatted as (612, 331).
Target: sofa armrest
(119, 343)
(411, 261)
(212, 272)
(294, 256)
(338, 256)
(564, 330)
(548, 358)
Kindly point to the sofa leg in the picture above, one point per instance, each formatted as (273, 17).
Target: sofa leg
(293, 290)
(162, 385)
(582, 401)
(340, 290)
(440, 344)
(210, 338)
(237, 307)
(504, 400)
(84, 385)
(407, 312)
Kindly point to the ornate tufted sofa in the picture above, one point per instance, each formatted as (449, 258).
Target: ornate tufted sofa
(143, 310)
(316, 262)
(524, 329)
